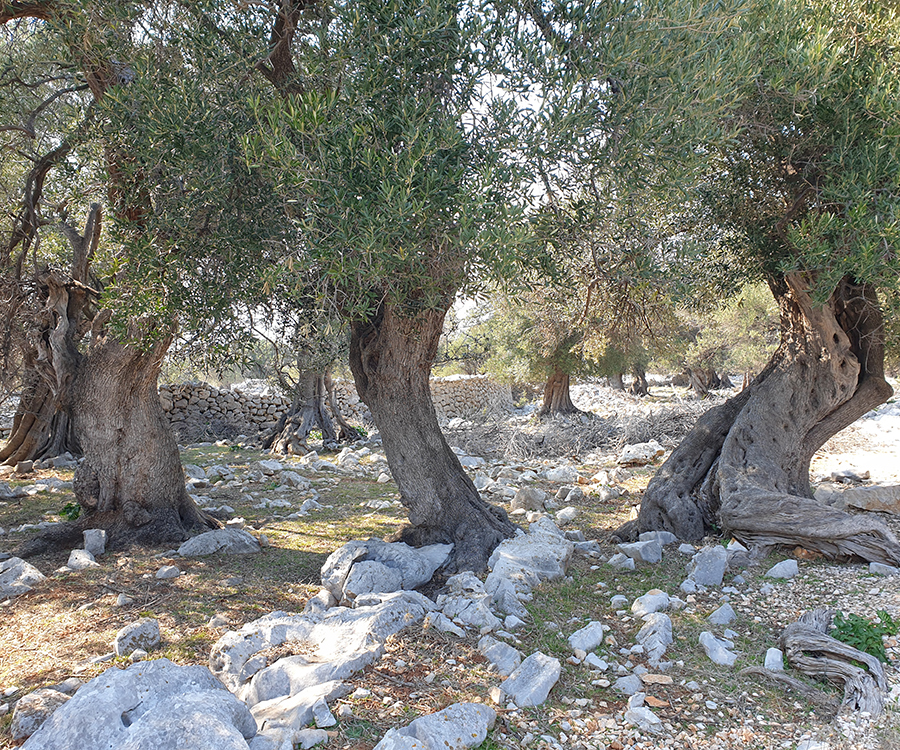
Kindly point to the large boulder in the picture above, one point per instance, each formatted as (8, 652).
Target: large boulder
(374, 566)
(152, 705)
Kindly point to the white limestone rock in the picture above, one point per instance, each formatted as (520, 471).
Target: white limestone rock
(226, 541)
(33, 710)
(531, 682)
(142, 634)
(80, 559)
(457, 727)
(587, 638)
(152, 704)
(383, 567)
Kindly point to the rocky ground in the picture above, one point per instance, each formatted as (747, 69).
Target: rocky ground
(67, 622)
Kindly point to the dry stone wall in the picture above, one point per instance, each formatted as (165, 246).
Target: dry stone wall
(193, 406)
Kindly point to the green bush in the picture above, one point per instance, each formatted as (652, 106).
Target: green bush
(863, 634)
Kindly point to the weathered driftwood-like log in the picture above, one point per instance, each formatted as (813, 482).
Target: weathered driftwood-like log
(811, 650)
(813, 695)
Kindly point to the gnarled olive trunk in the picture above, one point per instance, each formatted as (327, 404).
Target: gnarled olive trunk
(391, 357)
(745, 465)
(41, 429)
(131, 482)
(314, 390)
(557, 398)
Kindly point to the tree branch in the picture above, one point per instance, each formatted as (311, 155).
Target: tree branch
(41, 9)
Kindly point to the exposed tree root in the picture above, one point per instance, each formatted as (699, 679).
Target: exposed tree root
(811, 650)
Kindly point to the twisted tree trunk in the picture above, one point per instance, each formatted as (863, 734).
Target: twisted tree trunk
(745, 465)
(391, 357)
(41, 429)
(307, 412)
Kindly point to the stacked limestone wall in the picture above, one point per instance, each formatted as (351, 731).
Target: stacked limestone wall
(193, 408)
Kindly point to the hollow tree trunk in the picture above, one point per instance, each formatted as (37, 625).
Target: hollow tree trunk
(557, 399)
(306, 413)
(746, 463)
(41, 429)
(131, 482)
(391, 357)
(639, 386)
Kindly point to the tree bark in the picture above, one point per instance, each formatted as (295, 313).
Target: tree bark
(745, 465)
(131, 482)
(616, 381)
(41, 429)
(390, 357)
(557, 399)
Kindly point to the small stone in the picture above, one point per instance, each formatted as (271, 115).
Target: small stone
(33, 710)
(123, 600)
(80, 559)
(653, 601)
(622, 561)
(167, 571)
(628, 685)
(774, 660)
(717, 649)
(723, 615)
(784, 569)
(662, 537)
(95, 541)
(587, 638)
(649, 551)
(707, 567)
(307, 738)
(138, 655)
(218, 620)
(143, 633)
(567, 515)
(322, 714)
(883, 570)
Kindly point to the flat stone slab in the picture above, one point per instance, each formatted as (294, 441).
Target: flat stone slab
(504, 657)
(723, 615)
(717, 649)
(220, 541)
(531, 682)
